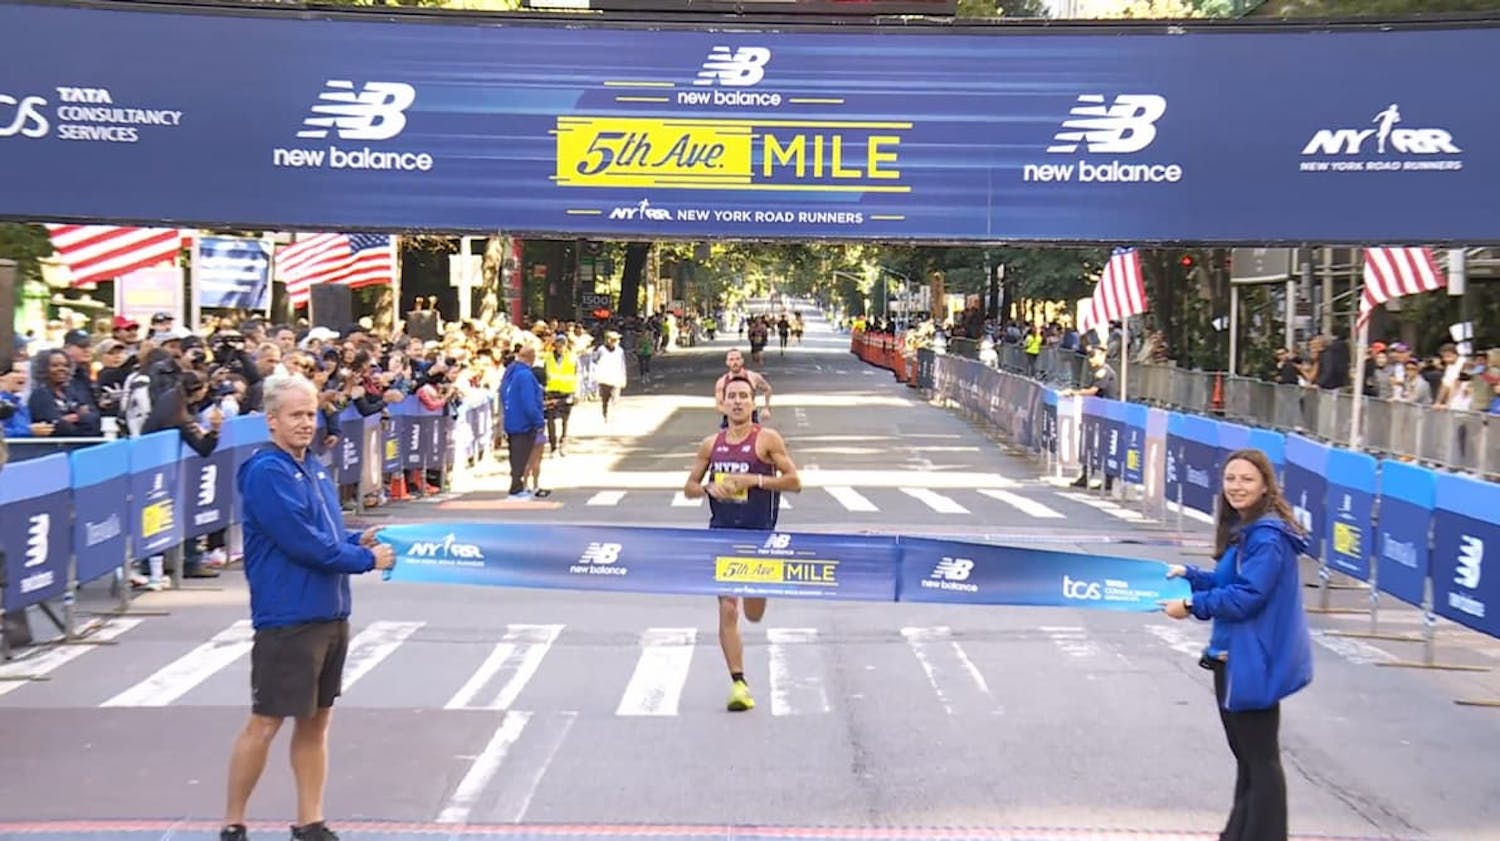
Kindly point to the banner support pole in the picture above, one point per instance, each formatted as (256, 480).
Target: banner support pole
(1429, 646)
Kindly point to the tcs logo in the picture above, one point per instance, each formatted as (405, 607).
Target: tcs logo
(22, 116)
(1081, 590)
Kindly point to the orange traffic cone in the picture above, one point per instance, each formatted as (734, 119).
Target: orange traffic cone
(1216, 402)
(398, 488)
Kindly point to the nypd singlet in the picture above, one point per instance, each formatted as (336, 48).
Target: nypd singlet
(756, 508)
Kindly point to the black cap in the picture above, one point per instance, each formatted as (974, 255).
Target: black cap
(78, 338)
(162, 318)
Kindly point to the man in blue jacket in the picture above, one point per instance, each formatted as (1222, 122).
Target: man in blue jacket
(521, 404)
(298, 559)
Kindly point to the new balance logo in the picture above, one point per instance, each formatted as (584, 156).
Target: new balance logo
(1470, 557)
(742, 68)
(599, 559)
(778, 541)
(1127, 125)
(953, 569)
(375, 112)
(38, 536)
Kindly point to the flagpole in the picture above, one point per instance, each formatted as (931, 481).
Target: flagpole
(1361, 336)
(1124, 358)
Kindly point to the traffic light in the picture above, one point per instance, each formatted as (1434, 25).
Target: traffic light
(1187, 262)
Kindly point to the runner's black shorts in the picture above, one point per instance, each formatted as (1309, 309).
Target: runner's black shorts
(297, 670)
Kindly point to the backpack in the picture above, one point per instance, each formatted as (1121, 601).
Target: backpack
(139, 394)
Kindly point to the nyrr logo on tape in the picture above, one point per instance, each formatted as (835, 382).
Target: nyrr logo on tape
(446, 551)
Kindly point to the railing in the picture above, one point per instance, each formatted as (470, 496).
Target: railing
(76, 516)
(1412, 533)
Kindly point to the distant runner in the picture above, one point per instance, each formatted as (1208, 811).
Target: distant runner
(735, 362)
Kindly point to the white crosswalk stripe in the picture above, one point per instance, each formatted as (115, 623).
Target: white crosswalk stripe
(680, 500)
(1030, 507)
(48, 661)
(1111, 508)
(796, 682)
(936, 501)
(177, 678)
(940, 655)
(372, 645)
(661, 672)
(851, 499)
(517, 657)
(607, 498)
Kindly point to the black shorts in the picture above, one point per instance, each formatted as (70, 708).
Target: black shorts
(296, 670)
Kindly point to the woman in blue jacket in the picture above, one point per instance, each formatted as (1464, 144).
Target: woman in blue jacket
(1260, 651)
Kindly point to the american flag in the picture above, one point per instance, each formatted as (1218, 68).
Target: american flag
(352, 259)
(104, 252)
(1120, 293)
(1394, 273)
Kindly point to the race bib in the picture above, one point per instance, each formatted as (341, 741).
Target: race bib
(733, 496)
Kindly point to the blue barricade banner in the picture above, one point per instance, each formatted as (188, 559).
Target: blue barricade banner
(646, 560)
(1408, 495)
(232, 272)
(1113, 434)
(390, 438)
(1047, 442)
(1307, 488)
(1232, 436)
(617, 129)
(155, 500)
(1176, 458)
(1273, 444)
(1134, 418)
(101, 507)
(409, 429)
(209, 484)
(36, 529)
(248, 434)
(346, 452)
(1350, 507)
(1200, 463)
(975, 573)
(1091, 429)
(1465, 529)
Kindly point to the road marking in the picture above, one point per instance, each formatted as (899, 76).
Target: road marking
(52, 658)
(680, 500)
(1073, 641)
(177, 678)
(1104, 505)
(372, 645)
(935, 501)
(1176, 639)
(1026, 506)
(1356, 651)
(801, 415)
(484, 768)
(607, 498)
(661, 671)
(790, 694)
(552, 730)
(851, 499)
(1190, 512)
(519, 654)
(785, 502)
(926, 645)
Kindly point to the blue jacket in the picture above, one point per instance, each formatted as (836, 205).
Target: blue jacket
(521, 400)
(298, 556)
(1254, 598)
(18, 425)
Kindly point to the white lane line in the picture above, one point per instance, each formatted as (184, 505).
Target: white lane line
(55, 657)
(1029, 507)
(927, 644)
(791, 693)
(1104, 505)
(1176, 639)
(554, 729)
(177, 678)
(1356, 651)
(607, 498)
(935, 501)
(484, 768)
(661, 671)
(372, 645)
(1072, 640)
(851, 499)
(519, 654)
(680, 500)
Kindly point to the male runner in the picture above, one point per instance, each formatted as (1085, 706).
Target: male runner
(735, 361)
(746, 467)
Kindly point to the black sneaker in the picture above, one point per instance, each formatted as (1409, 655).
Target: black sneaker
(318, 831)
(234, 832)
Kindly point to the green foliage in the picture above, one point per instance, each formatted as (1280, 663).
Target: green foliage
(26, 244)
(1360, 8)
(1001, 9)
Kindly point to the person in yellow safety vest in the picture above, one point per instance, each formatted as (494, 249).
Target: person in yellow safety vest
(562, 383)
(1033, 349)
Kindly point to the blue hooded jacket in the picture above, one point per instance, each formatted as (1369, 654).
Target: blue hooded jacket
(521, 400)
(1254, 597)
(298, 556)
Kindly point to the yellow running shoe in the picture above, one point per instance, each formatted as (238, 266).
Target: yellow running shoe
(739, 698)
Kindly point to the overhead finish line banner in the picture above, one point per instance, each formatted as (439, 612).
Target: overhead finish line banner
(610, 130)
(772, 564)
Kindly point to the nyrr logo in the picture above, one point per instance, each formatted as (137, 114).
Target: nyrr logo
(599, 559)
(742, 68)
(26, 119)
(374, 112)
(644, 210)
(448, 547)
(1122, 126)
(1344, 144)
(38, 539)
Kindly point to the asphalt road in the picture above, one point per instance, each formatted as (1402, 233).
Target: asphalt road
(528, 713)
